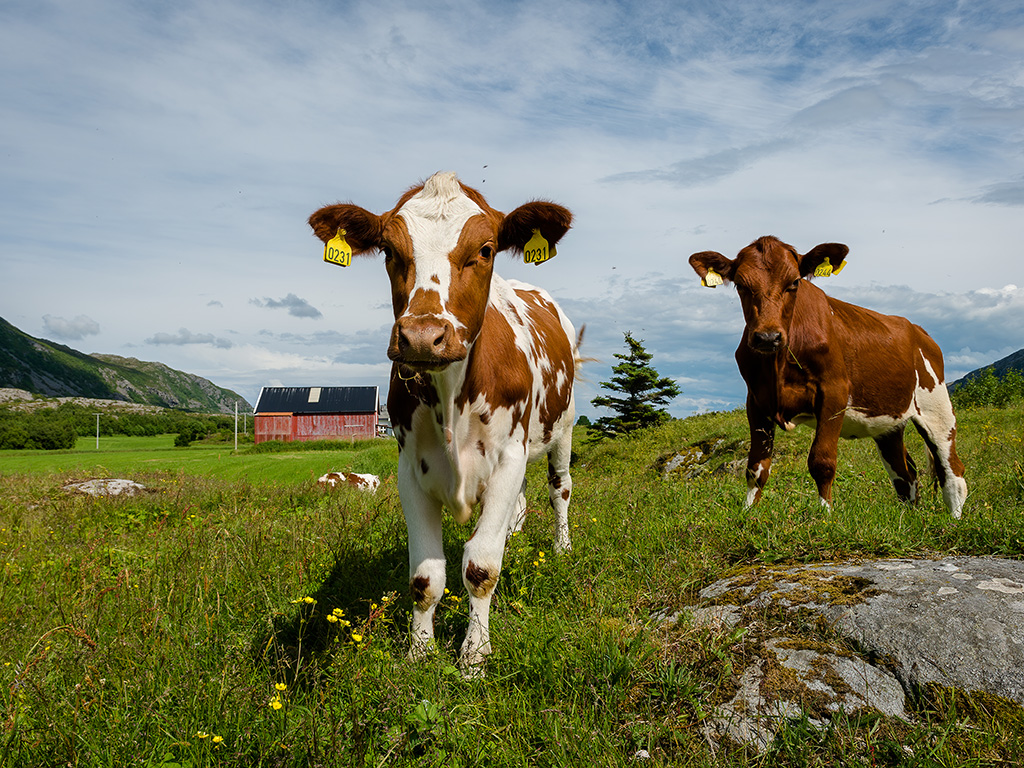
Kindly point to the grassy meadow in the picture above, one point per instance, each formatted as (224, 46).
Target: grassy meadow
(239, 615)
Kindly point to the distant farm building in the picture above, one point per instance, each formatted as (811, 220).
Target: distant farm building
(316, 413)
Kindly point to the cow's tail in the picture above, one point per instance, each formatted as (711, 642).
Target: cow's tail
(577, 356)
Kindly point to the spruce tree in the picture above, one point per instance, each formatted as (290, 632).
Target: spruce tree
(643, 389)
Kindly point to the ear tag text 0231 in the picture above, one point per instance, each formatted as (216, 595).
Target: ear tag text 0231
(712, 279)
(338, 251)
(537, 249)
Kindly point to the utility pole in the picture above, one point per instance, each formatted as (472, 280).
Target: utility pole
(97, 431)
(236, 425)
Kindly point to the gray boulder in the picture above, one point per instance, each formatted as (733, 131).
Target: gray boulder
(954, 622)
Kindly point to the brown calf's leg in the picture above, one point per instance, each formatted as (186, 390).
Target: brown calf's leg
(759, 460)
(898, 464)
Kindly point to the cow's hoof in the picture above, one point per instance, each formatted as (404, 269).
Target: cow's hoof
(422, 650)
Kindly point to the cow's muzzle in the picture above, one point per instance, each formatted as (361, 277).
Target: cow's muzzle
(766, 342)
(425, 343)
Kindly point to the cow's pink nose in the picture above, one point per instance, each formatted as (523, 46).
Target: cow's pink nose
(422, 339)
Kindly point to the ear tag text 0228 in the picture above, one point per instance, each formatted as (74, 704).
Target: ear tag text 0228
(338, 251)
(537, 249)
(712, 279)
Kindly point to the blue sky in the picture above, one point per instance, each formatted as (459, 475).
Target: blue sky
(159, 162)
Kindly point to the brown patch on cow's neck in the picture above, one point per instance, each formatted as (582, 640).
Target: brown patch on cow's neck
(405, 395)
(497, 369)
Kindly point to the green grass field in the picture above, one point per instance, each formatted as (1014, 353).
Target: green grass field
(120, 455)
(192, 625)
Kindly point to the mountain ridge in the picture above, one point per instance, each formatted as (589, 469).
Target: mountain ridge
(52, 369)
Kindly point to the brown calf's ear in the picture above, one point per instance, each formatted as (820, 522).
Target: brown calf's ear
(363, 230)
(712, 267)
(824, 260)
(550, 219)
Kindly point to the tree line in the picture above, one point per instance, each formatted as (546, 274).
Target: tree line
(58, 428)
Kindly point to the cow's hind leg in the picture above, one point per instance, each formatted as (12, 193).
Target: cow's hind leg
(519, 514)
(936, 424)
(482, 558)
(898, 464)
(560, 488)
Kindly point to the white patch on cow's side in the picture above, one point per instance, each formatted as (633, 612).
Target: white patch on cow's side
(434, 217)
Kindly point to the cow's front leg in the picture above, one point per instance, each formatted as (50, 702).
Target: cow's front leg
(759, 460)
(482, 558)
(426, 556)
(821, 461)
(898, 464)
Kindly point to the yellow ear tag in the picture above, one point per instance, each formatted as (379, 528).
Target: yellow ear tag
(712, 279)
(823, 270)
(338, 251)
(840, 268)
(537, 249)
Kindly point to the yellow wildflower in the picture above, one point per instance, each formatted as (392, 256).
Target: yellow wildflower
(281, 686)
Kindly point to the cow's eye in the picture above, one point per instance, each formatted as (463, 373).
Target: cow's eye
(486, 252)
(793, 286)
(389, 255)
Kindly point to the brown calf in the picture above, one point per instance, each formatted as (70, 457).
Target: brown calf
(850, 372)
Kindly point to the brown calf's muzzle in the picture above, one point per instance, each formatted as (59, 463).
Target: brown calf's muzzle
(766, 342)
(425, 343)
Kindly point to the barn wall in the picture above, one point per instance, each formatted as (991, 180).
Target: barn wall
(272, 426)
(327, 426)
(314, 426)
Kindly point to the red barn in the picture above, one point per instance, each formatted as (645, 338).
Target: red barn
(315, 413)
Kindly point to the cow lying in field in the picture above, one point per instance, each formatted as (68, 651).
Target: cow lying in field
(482, 381)
(361, 482)
(850, 372)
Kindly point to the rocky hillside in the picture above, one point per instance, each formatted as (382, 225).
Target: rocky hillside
(1012, 362)
(47, 368)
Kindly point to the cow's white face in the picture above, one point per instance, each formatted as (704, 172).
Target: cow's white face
(439, 244)
(439, 252)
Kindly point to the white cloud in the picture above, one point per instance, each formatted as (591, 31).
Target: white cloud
(296, 307)
(70, 330)
(185, 336)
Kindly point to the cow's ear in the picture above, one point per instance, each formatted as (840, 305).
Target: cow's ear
(824, 260)
(516, 229)
(363, 230)
(713, 268)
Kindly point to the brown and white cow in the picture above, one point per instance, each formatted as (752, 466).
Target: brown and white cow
(359, 481)
(851, 372)
(482, 382)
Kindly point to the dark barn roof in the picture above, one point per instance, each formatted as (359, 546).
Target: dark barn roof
(317, 400)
